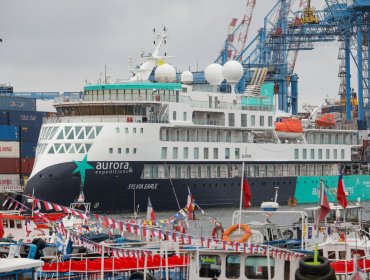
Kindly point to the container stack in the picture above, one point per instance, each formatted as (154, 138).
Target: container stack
(20, 126)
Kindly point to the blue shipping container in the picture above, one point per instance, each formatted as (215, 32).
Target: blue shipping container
(4, 118)
(17, 103)
(29, 133)
(26, 118)
(9, 133)
(28, 149)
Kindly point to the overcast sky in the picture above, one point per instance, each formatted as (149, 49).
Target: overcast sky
(57, 45)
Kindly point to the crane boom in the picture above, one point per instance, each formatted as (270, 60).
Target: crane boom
(244, 28)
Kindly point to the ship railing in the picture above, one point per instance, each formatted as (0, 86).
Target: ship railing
(200, 138)
(158, 97)
(105, 119)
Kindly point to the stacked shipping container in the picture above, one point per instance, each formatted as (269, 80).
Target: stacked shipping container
(20, 125)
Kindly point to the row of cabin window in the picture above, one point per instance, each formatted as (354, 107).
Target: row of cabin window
(319, 154)
(206, 154)
(255, 267)
(243, 119)
(331, 138)
(217, 171)
(119, 150)
(127, 130)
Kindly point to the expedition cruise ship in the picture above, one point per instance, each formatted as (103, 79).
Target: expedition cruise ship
(121, 143)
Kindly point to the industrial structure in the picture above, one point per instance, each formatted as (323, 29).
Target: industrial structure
(290, 27)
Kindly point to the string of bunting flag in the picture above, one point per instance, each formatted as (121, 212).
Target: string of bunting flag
(37, 206)
(149, 231)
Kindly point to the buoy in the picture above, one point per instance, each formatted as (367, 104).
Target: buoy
(230, 230)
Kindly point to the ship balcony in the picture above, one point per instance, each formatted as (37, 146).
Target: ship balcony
(111, 97)
(107, 119)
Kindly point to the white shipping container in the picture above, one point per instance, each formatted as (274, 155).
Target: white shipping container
(9, 149)
(10, 182)
(45, 105)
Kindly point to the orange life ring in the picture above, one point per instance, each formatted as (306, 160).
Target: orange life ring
(217, 231)
(230, 230)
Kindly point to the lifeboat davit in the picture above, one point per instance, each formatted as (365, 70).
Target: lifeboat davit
(288, 128)
(327, 120)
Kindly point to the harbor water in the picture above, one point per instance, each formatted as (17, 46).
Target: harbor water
(203, 224)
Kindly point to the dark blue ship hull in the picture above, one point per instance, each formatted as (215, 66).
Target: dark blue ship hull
(111, 190)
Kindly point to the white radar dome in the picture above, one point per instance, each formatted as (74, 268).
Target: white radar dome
(213, 74)
(187, 77)
(165, 73)
(232, 71)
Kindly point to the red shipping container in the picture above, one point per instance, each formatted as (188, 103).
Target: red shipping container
(9, 165)
(27, 165)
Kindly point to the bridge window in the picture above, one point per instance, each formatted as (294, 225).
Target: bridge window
(256, 267)
(210, 266)
(233, 266)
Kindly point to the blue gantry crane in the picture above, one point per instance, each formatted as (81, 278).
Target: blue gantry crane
(286, 32)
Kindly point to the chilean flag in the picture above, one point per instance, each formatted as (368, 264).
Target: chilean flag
(324, 206)
(190, 205)
(247, 195)
(150, 215)
(48, 206)
(341, 194)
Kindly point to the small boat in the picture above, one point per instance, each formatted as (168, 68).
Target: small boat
(289, 128)
(326, 121)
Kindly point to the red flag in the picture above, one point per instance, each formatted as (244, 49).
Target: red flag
(247, 196)
(341, 194)
(190, 205)
(324, 206)
(150, 215)
(1, 226)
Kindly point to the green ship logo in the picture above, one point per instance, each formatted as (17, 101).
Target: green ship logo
(82, 166)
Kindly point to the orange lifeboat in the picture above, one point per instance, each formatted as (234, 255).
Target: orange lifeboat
(327, 120)
(288, 128)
